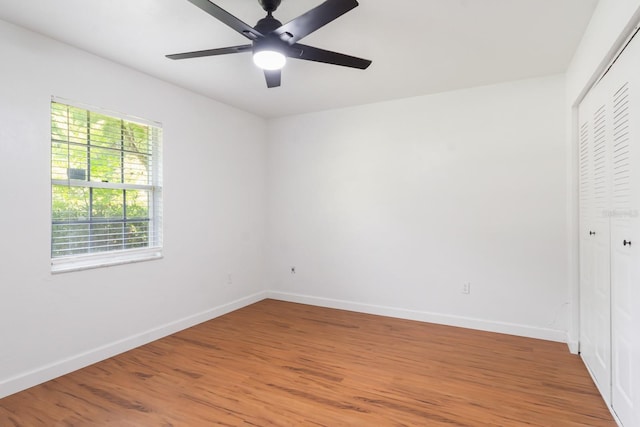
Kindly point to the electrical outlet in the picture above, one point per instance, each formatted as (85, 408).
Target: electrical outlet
(466, 288)
(293, 270)
(229, 279)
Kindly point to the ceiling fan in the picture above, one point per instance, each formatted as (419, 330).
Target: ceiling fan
(272, 42)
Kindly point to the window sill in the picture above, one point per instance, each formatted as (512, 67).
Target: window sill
(104, 259)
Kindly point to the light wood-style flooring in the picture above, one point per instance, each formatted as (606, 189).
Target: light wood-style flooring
(282, 364)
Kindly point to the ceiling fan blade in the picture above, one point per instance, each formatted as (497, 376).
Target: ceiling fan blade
(211, 52)
(227, 18)
(316, 18)
(310, 53)
(273, 77)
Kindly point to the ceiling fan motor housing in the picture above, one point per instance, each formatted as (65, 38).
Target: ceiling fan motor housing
(269, 5)
(267, 25)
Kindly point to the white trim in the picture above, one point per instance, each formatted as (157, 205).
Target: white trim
(573, 231)
(103, 259)
(100, 184)
(624, 45)
(425, 316)
(100, 110)
(614, 51)
(574, 345)
(61, 367)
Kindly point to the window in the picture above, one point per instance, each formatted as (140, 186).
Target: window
(106, 188)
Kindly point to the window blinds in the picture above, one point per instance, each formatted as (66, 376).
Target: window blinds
(106, 182)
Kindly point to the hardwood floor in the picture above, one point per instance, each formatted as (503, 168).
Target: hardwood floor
(277, 363)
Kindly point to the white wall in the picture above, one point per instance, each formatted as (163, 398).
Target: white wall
(609, 27)
(387, 208)
(391, 207)
(214, 196)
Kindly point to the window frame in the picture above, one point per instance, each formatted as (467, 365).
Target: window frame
(103, 258)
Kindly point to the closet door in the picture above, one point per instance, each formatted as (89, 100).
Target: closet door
(624, 85)
(610, 234)
(595, 290)
(587, 280)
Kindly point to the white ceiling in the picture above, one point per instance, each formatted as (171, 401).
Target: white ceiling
(417, 46)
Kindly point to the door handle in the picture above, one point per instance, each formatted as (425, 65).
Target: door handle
(591, 233)
(626, 242)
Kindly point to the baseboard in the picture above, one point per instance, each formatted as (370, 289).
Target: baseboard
(424, 316)
(53, 370)
(48, 372)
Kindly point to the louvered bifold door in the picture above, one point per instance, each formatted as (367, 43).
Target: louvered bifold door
(623, 85)
(585, 186)
(595, 183)
(609, 195)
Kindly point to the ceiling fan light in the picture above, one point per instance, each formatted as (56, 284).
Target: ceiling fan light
(269, 59)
